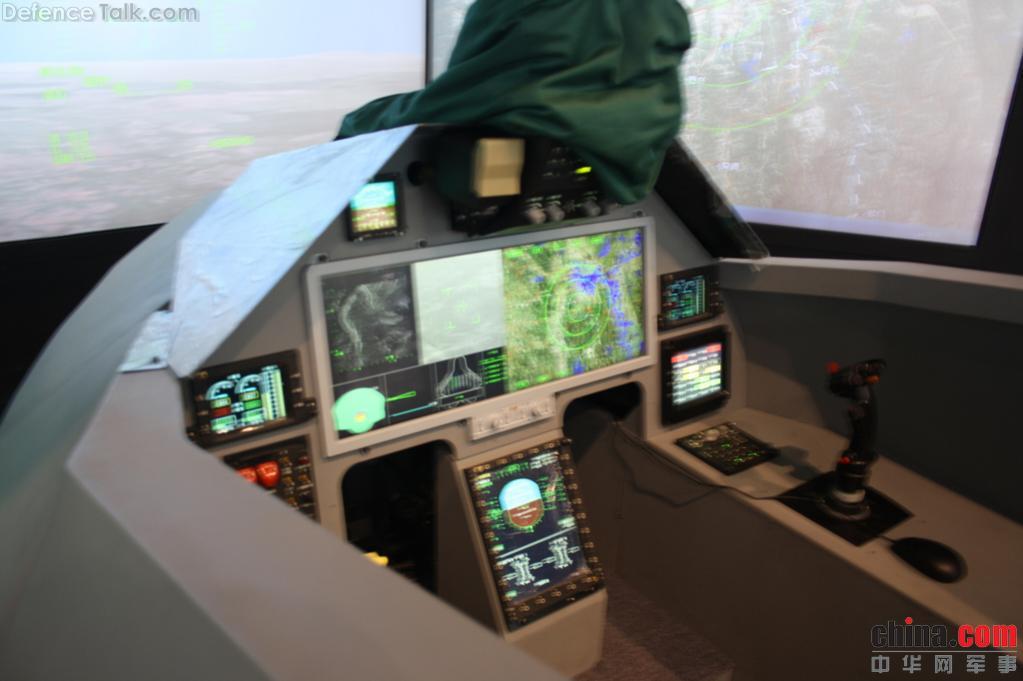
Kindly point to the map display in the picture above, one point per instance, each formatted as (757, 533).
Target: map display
(573, 306)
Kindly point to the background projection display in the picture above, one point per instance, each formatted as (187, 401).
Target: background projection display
(107, 124)
(876, 117)
(533, 531)
(415, 339)
(879, 118)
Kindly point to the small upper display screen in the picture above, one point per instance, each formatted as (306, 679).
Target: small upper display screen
(688, 297)
(374, 211)
(415, 339)
(696, 373)
(530, 527)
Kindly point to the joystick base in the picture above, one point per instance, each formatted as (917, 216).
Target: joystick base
(873, 516)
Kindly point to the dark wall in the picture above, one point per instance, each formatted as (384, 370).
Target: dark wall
(950, 401)
(43, 281)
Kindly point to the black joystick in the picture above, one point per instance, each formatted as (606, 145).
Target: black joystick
(842, 502)
(846, 497)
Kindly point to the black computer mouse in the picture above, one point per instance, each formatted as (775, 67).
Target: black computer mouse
(934, 559)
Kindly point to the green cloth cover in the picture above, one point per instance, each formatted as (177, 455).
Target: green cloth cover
(599, 75)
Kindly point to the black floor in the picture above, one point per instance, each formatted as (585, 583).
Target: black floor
(644, 643)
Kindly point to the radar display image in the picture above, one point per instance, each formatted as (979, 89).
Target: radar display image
(572, 306)
(370, 322)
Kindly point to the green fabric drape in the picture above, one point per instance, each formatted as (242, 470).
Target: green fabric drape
(599, 75)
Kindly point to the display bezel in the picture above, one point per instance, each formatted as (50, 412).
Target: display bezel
(521, 613)
(299, 408)
(337, 446)
(672, 413)
(399, 207)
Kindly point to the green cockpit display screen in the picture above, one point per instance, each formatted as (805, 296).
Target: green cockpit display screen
(414, 339)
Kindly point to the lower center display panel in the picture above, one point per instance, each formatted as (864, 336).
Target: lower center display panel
(530, 514)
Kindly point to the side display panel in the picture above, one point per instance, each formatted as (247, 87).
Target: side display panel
(533, 526)
(688, 297)
(404, 341)
(239, 399)
(694, 375)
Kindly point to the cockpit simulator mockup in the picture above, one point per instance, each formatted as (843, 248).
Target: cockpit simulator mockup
(565, 437)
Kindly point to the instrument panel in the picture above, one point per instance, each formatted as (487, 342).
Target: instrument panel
(422, 338)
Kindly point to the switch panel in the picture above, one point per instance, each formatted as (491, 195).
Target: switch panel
(283, 470)
(513, 416)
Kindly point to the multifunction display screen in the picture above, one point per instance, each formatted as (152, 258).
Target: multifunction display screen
(688, 297)
(696, 373)
(528, 519)
(238, 400)
(229, 401)
(410, 340)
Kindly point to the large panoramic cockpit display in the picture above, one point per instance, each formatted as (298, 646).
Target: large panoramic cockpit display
(397, 341)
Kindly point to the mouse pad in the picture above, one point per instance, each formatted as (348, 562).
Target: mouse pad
(808, 499)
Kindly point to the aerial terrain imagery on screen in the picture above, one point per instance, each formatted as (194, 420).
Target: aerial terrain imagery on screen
(572, 306)
(877, 116)
(107, 124)
(866, 116)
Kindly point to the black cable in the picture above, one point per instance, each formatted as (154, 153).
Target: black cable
(646, 491)
(664, 460)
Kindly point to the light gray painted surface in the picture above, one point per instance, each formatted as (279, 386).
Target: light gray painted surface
(98, 607)
(949, 401)
(58, 397)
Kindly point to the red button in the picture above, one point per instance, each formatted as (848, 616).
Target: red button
(247, 473)
(269, 474)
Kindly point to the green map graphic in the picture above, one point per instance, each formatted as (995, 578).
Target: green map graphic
(572, 306)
